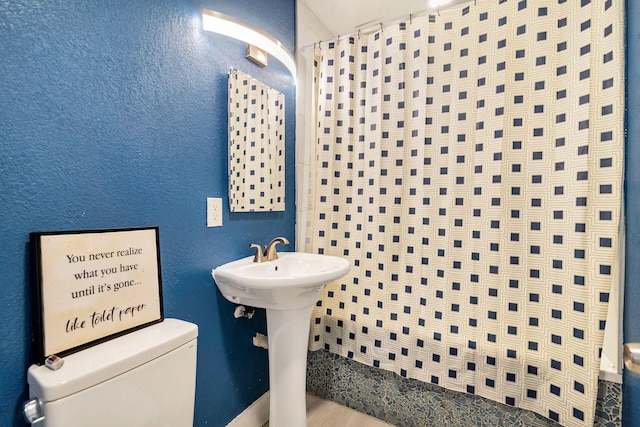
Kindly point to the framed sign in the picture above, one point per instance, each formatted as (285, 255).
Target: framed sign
(94, 285)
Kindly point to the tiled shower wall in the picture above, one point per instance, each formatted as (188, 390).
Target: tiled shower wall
(407, 402)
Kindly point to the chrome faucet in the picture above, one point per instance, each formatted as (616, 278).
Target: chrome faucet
(269, 253)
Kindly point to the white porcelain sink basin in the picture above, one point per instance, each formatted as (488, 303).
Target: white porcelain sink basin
(292, 281)
(288, 288)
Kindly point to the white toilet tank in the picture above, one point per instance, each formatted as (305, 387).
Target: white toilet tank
(143, 379)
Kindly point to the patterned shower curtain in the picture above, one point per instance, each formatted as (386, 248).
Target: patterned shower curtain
(469, 164)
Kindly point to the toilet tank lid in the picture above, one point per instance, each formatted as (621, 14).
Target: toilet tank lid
(101, 362)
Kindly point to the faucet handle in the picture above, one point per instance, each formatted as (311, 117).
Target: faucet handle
(259, 257)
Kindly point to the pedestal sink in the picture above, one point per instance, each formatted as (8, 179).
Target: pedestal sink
(288, 288)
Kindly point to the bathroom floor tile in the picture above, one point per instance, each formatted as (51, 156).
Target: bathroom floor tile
(325, 413)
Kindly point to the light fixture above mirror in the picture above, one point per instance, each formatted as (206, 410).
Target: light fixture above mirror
(231, 27)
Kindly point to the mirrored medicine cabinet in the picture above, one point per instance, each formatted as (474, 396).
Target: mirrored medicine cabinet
(256, 145)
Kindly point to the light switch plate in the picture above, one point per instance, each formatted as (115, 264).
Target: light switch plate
(214, 212)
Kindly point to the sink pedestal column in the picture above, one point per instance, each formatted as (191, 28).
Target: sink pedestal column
(288, 333)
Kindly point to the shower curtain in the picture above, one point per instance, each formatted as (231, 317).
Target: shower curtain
(469, 165)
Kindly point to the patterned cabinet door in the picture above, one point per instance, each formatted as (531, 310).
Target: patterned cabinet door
(256, 145)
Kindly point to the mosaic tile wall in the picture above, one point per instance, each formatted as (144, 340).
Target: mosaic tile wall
(407, 402)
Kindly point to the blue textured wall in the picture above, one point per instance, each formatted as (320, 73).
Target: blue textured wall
(113, 114)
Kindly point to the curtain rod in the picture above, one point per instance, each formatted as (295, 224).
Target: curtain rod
(369, 27)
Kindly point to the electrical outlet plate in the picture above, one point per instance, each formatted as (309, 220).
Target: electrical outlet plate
(214, 212)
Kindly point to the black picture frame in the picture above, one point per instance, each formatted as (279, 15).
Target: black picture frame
(94, 285)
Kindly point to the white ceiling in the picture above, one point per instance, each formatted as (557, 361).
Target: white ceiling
(346, 16)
